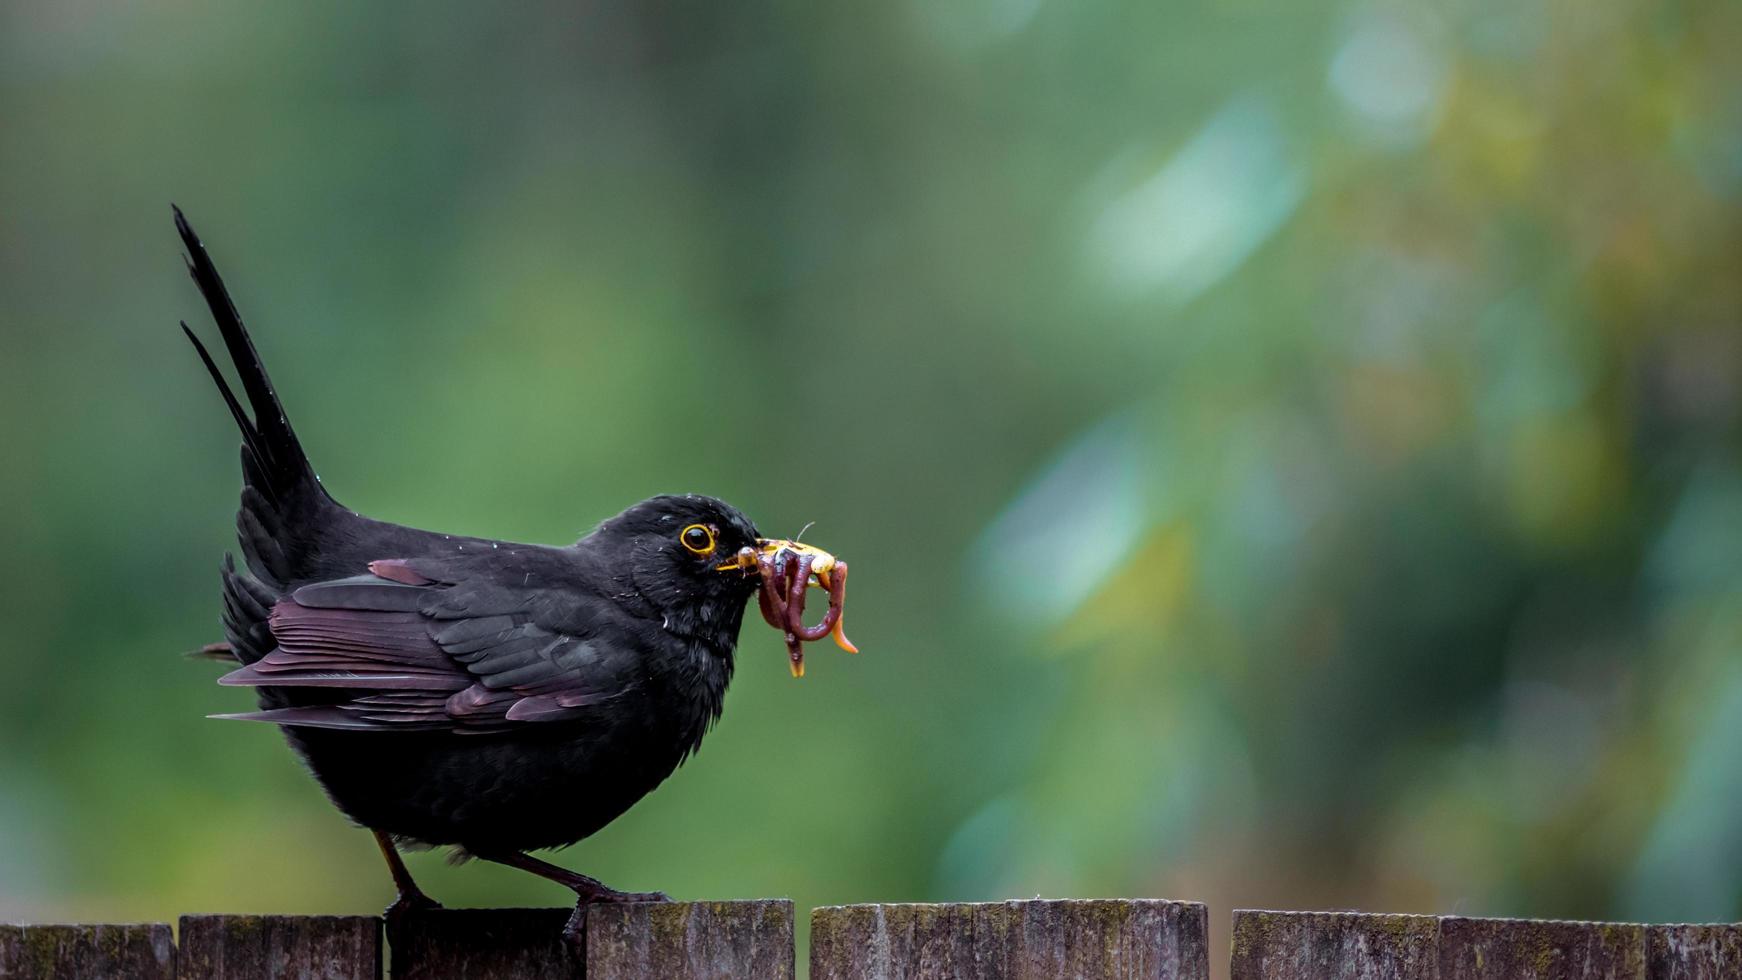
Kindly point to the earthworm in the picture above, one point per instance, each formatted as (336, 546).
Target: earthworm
(785, 578)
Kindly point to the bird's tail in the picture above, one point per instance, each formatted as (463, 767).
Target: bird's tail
(272, 459)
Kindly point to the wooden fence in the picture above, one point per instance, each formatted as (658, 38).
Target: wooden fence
(1028, 940)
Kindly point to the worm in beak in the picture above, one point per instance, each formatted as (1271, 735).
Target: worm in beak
(787, 569)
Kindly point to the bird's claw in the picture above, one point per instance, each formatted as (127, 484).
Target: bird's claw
(408, 904)
(575, 931)
(397, 917)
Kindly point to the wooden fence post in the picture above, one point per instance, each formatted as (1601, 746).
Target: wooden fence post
(120, 952)
(1693, 952)
(1334, 946)
(1477, 949)
(483, 944)
(1339, 945)
(280, 947)
(691, 941)
(1140, 939)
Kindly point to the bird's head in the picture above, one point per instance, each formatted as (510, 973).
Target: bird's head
(697, 560)
(671, 548)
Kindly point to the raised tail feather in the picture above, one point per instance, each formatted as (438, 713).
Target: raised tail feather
(281, 498)
(273, 460)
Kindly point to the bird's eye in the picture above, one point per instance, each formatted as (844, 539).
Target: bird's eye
(698, 538)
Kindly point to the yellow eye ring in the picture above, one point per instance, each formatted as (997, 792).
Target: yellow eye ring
(697, 539)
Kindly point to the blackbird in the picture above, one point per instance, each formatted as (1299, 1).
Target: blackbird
(490, 696)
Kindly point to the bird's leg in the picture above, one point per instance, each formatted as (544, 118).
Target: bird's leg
(588, 891)
(411, 898)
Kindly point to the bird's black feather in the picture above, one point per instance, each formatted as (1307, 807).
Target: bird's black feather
(456, 690)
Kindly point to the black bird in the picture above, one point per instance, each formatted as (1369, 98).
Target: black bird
(491, 696)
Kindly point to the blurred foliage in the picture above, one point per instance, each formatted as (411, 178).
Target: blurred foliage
(1288, 453)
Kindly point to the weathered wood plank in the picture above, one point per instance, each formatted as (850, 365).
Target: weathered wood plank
(1038, 940)
(121, 952)
(691, 941)
(875, 942)
(1709, 952)
(484, 944)
(280, 947)
(1519, 949)
(1334, 946)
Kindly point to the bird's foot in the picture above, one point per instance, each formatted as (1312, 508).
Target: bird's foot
(411, 898)
(409, 903)
(575, 932)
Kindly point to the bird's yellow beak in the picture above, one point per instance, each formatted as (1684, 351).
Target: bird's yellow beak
(822, 563)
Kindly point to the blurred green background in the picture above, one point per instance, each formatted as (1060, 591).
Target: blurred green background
(1288, 453)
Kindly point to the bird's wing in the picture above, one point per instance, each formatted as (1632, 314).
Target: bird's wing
(414, 646)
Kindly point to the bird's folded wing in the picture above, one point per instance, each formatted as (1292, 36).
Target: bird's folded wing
(397, 650)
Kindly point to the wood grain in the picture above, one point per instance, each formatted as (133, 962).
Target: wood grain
(1706, 952)
(1528, 949)
(1345, 946)
(691, 941)
(121, 952)
(279, 947)
(1033, 940)
(484, 944)
(1334, 946)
